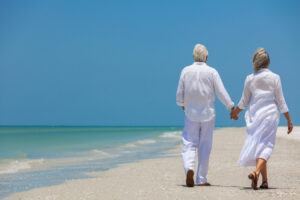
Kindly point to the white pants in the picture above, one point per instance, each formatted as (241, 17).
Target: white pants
(197, 136)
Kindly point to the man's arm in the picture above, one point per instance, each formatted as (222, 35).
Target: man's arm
(180, 92)
(221, 91)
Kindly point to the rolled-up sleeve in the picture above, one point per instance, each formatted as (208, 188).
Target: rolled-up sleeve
(180, 91)
(279, 98)
(246, 96)
(221, 91)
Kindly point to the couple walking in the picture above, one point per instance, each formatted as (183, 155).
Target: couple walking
(262, 96)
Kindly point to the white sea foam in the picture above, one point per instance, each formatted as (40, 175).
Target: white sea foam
(10, 166)
(96, 154)
(15, 166)
(129, 145)
(173, 134)
(138, 143)
(93, 154)
(141, 142)
(100, 153)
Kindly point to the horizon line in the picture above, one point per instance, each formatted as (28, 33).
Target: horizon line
(105, 126)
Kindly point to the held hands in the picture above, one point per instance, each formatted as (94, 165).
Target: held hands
(234, 114)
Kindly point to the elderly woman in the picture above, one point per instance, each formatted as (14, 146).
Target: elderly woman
(262, 95)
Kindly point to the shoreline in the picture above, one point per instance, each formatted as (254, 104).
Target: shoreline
(27, 158)
(164, 178)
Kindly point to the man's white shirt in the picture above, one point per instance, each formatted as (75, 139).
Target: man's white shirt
(195, 92)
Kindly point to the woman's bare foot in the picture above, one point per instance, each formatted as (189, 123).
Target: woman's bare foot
(264, 185)
(253, 176)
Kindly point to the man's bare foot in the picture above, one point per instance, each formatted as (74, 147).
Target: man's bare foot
(190, 178)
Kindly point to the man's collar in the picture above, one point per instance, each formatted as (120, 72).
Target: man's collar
(199, 63)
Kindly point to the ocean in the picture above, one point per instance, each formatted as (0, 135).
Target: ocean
(32, 157)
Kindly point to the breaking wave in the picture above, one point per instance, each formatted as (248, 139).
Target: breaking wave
(14, 166)
(138, 143)
(173, 134)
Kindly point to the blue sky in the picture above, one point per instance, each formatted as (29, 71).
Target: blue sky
(118, 62)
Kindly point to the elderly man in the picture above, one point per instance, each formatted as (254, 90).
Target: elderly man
(195, 94)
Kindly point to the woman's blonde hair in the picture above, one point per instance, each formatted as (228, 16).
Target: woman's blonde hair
(260, 59)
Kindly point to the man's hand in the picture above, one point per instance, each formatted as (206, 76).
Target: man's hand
(234, 114)
(182, 108)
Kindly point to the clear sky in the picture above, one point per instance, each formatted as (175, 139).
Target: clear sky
(118, 62)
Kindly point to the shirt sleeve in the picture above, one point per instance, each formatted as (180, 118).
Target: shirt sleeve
(246, 96)
(221, 91)
(180, 91)
(279, 98)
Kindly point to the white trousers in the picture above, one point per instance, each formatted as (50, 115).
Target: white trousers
(197, 136)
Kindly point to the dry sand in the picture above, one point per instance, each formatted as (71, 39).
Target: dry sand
(164, 178)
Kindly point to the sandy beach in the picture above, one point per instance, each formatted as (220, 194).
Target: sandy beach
(164, 178)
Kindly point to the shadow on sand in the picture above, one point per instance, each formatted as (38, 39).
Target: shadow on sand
(238, 187)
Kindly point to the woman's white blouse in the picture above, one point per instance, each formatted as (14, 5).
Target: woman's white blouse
(264, 88)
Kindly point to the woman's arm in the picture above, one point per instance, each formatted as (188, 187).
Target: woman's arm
(290, 124)
(246, 96)
(279, 98)
(280, 102)
(244, 102)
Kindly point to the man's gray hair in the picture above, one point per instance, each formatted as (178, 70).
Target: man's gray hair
(200, 53)
(260, 59)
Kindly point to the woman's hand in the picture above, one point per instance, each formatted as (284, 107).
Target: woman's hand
(234, 114)
(290, 126)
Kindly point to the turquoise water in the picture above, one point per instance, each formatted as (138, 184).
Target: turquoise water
(32, 157)
(48, 142)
